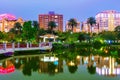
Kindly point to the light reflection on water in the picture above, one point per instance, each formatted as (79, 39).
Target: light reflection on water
(51, 67)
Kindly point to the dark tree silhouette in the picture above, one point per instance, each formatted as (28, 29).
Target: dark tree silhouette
(91, 69)
(72, 23)
(51, 26)
(72, 69)
(91, 21)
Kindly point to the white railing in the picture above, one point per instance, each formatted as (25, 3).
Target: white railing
(16, 47)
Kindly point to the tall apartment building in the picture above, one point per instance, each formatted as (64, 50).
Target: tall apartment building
(108, 20)
(7, 22)
(44, 19)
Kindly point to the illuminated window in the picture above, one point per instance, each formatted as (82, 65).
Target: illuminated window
(102, 15)
(108, 15)
(56, 16)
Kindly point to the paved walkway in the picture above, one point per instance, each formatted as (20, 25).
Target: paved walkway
(17, 49)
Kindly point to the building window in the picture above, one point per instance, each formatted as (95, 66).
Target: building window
(56, 16)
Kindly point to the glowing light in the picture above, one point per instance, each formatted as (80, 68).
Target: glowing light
(56, 70)
(78, 57)
(71, 63)
(106, 51)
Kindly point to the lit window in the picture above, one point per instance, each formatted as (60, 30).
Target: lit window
(56, 16)
(108, 15)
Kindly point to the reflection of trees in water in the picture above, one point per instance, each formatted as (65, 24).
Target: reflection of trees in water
(118, 60)
(97, 50)
(84, 50)
(51, 68)
(91, 69)
(17, 65)
(27, 69)
(29, 65)
(97, 44)
(72, 69)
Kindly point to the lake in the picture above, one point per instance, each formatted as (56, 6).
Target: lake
(59, 67)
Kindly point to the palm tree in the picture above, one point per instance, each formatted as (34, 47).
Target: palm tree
(117, 28)
(82, 26)
(17, 27)
(52, 25)
(81, 37)
(72, 23)
(91, 21)
(35, 24)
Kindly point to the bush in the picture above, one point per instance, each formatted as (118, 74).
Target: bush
(97, 44)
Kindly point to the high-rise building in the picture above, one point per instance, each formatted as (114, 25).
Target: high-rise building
(7, 22)
(44, 19)
(107, 20)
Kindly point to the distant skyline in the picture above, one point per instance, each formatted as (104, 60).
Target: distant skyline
(79, 9)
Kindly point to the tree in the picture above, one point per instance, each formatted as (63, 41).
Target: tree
(1, 35)
(17, 28)
(51, 25)
(81, 37)
(35, 24)
(11, 36)
(29, 31)
(91, 21)
(108, 35)
(72, 23)
(117, 28)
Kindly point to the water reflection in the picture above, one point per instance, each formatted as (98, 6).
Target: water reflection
(52, 64)
(28, 64)
(108, 66)
(6, 67)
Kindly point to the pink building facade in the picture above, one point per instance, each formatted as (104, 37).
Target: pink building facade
(44, 19)
(107, 20)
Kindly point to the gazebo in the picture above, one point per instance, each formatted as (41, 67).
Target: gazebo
(48, 36)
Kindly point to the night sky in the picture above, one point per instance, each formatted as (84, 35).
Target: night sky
(79, 9)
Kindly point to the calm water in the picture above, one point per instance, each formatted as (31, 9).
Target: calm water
(51, 67)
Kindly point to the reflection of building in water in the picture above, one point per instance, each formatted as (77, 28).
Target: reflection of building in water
(52, 66)
(90, 60)
(24, 63)
(6, 67)
(104, 65)
(108, 66)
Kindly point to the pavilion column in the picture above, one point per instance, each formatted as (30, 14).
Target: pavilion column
(30, 44)
(44, 39)
(18, 45)
(54, 39)
(27, 45)
(4, 46)
(13, 46)
(39, 44)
